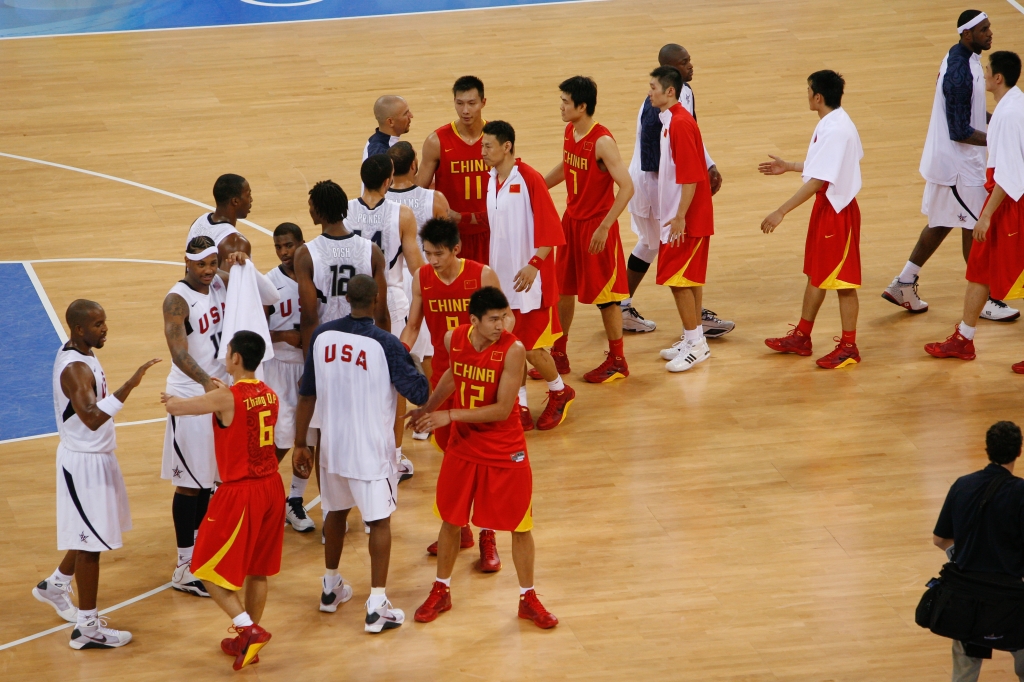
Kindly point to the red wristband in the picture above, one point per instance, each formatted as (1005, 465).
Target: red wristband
(536, 262)
(406, 347)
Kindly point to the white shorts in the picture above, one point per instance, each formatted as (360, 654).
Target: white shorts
(943, 209)
(190, 460)
(648, 232)
(92, 503)
(398, 308)
(422, 348)
(376, 499)
(283, 378)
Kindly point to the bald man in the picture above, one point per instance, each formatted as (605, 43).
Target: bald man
(394, 118)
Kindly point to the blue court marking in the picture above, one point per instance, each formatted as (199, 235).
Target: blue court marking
(30, 18)
(28, 346)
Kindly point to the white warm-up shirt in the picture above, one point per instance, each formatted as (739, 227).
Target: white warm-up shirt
(834, 156)
(1006, 143)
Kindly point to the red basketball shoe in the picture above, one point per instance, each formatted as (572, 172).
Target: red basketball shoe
(845, 354)
(438, 601)
(526, 418)
(530, 608)
(466, 540)
(608, 371)
(561, 364)
(489, 561)
(1018, 368)
(557, 408)
(229, 645)
(793, 342)
(955, 346)
(251, 639)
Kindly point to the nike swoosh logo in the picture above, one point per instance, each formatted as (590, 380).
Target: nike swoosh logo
(829, 236)
(194, 304)
(448, 150)
(279, 288)
(425, 288)
(1011, 234)
(210, 520)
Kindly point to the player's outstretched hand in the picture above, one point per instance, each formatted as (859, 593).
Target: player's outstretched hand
(217, 383)
(769, 224)
(715, 178)
(524, 278)
(236, 258)
(166, 398)
(599, 239)
(302, 461)
(981, 228)
(413, 416)
(141, 372)
(678, 225)
(433, 420)
(774, 167)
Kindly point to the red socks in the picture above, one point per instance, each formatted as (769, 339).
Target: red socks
(850, 337)
(805, 327)
(560, 343)
(615, 348)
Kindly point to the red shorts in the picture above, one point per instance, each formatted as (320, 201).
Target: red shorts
(476, 246)
(684, 264)
(241, 533)
(501, 498)
(999, 260)
(832, 251)
(538, 328)
(592, 278)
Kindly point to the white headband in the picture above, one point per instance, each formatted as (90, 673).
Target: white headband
(206, 253)
(972, 23)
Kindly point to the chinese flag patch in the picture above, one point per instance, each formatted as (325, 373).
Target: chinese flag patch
(497, 355)
(588, 146)
(515, 189)
(471, 284)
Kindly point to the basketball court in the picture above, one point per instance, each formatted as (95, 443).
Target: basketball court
(753, 519)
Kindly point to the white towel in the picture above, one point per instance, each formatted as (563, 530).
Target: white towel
(243, 309)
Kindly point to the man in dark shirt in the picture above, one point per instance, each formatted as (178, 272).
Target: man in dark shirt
(992, 542)
(394, 118)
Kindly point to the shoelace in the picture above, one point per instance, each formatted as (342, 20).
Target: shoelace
(709, 315)
(632, 311)
(297, 508)
(533, 601)
(490, 550)
(436, 595)
(997, 303)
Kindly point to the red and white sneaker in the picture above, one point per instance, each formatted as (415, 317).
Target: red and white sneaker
(955, 346)
(251, 639)
(793, 342)
(489, 560)
(608, 371)
(845, 354)
(526, 418)
(557, 408)
(561, 364)
(438, 601)
(465, 541)
(530, 608)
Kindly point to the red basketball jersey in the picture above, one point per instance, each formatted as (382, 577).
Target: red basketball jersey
(476, 375)
(245, 448)
(462, 177)
(446, 306)
(589, 189)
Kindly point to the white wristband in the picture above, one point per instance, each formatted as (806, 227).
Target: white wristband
(110, 405)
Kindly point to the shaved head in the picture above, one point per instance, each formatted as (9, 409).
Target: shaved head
(80, 312)
(387, 106)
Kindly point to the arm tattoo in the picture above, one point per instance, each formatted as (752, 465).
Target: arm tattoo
(175, 312)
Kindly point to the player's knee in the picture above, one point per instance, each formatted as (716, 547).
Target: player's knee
(637, 264)
(609, 304)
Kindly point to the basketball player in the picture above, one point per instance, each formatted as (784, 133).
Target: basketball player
(831, 174)
(92, 503)
(590, 266)
(452, 164)
(394, 118)
(953, 162)
(352, 372)
(996, 265)
(526, 230)
(284, 370)
(687, 217)
(241, 537)
(643, 207)
(440, 298)
(485, 469)
(233, 197)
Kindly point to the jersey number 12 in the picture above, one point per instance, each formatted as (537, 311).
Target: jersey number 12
(340, 275)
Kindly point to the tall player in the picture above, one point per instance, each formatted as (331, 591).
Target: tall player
(241, 538)
(953, 162)
(452, 164)
(526, 231)
(486, 469)
(831, 174)
(394, 118)
(590, 266)
(92, 503)
(996, 265)
(233, 197)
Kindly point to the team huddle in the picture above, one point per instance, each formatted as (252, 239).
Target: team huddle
(446, 284)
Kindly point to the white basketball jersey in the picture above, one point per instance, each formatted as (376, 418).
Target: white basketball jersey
(380, 225)
(202, 227)
(421, 201)
(284, 315)
(336, 260)
(943, 161)
(74, 434)
(203, 329)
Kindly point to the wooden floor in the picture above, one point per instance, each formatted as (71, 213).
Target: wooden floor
(755, 519)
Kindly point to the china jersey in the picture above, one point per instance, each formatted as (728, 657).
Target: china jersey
(461, 177)
(336, 260)
(74, 434)
(590, 190)
(202, 227)
(284, 315)
(245, 447)
(476, 375)
(380, 225)
(446, 306)
(203, 329)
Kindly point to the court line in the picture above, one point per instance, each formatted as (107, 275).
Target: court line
(131, 183)
(281, 4)
(1016, 4)
(98, 260)
(45, 300)
(54, 433)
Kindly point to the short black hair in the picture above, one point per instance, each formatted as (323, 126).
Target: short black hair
(501, 130)
(1006, 63)
(228, 186)
(402, 155)
(486, 299)
(669, 77)
(250, 346)
(467, 83)
(441, 232)
(582, 90)
(329, 200)
(1002, 442)
(829, 85)
(79, 312)
(966, 16)
(199, 244)
(289, 228)
(361, 291)
(376, 170)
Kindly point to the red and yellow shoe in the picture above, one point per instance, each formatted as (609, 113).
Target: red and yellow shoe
(608, 371)
(438, 601)
(251, 639)
(955, 346)
(561, 364)
(229, 645)
(844, 354)
(557, 408)
(526, 418)
(793, 342)
(489, 560)
(530, 608)
(465, 541)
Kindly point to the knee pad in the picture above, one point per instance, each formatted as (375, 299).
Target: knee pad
(637, 264)
(602, 306)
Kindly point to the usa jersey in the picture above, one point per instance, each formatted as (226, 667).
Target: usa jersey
(203, 329)
(380, 225)
(336, 260)
(74, 434)
(590, 189)
(202, 227)
(284, 315)
(245, 447)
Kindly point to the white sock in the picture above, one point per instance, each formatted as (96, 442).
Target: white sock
(692, 335)
(524, 590)
(195, 534)
(377, 599)
(447, 582)
(59, 577)
(556, 385)
(626, 302)
(184, 555)
(522, 396)
(87, 618)
(242, 620)
(332, 578)
(298, 486)
(909, 273)
(965, 331)
(700, 330)
(398, 453)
